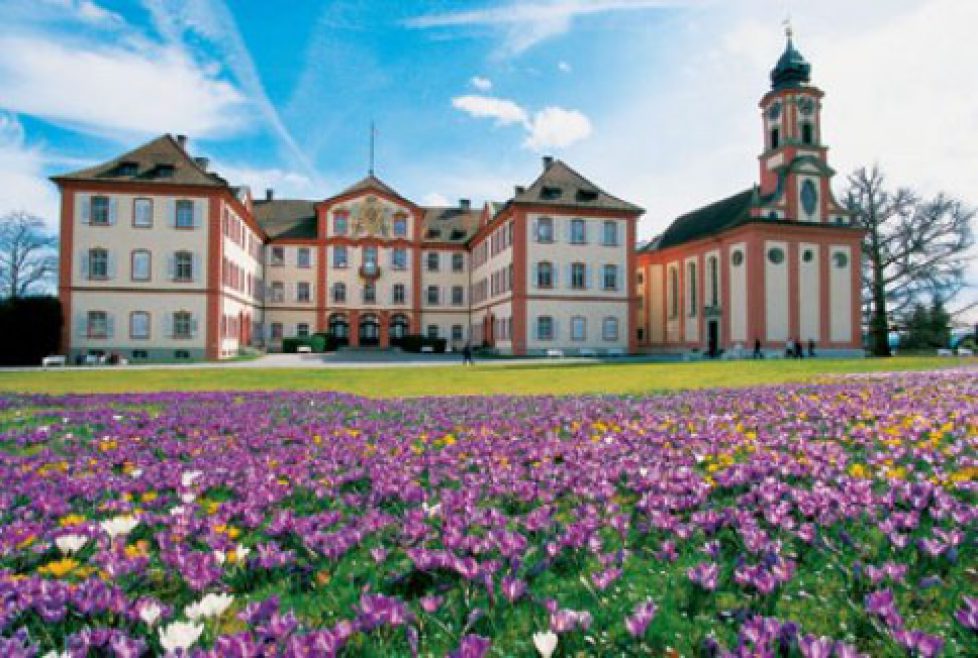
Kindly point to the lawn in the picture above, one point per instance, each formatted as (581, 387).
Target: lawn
(830, 519)
(495, 379)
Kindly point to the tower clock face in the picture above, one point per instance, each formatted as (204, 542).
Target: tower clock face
(806, 105)
(774, 111)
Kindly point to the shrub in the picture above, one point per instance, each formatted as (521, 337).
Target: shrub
(30, 329)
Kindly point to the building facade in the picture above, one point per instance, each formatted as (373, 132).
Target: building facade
(162, 259)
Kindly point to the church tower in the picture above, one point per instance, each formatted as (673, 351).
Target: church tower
(795, 175)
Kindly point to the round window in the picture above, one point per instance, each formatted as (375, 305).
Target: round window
(807, 256)
(775, 255)
(841, 260)
(737, 258)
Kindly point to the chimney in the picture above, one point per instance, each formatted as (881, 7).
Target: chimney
(269, 194)
(202, 162)
(464, 204)
(519, 189)
(182, 141)
(548, 161)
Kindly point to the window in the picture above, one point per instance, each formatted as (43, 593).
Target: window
(458, 296)
(399, 258)
(142, 213)
(610, 234)
(302, 330)
(182, 325)
(185, 214)
(98, 324)
(609, 329)
(674, 292)
(691, 288)
(277, 292)
(339, 257)
(841, 259)
(100, 210)
(98, 264)
(578, 276)
(578, 231)
(433, 261)
(181, 354)
(775, 255)
(370, 258)
(339, 293)
(278, 256)
(610, 278)
(369, 293)
(139, 324)
(397, 293)
(578, 328)
(807, 256)
(183, 266)
(139, 354)
(713, 271)
(737, 258)
(303, 257)
(276, 331)
(545, 229)
(433, 295)
(775, 138)
(400, 227)
(303, 292)
(432, 331)
(806, 133)
(457, 332)
(140, 265)
(545, 275)
(545, 327)
(340, 224)
(458, 262)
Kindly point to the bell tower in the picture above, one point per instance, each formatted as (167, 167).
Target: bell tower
(794, 169)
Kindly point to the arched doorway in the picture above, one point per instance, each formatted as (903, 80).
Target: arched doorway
(369, 330)
(339, 328)
(399, 326)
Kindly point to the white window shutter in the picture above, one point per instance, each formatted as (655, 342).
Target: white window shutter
(536, 275)
(193, 326)
(588, 273)
(83, 263)
(110, 265)
(167, 319)
(113, 210)
(199, 213)
(84, 208)
(109, 325)
(81, 325)
(198, 273)
(536, 230)
(171, 267)
(536, 328)
(587, 231)
(570, 275)
(556, 329)
(554, 269)
(171, 213)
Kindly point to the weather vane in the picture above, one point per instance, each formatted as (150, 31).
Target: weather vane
(373, 135)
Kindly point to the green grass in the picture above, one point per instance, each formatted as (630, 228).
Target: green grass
(545, 378)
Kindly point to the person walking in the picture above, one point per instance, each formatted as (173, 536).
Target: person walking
(811, 348)
(467, 355)
(758, 354)
(789, 348)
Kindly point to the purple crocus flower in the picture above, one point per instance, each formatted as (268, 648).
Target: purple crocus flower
(641, 617)
(705, 575)
(472, 646)
(920, 643)
(815, 647)
(512, 588)
(967, 616)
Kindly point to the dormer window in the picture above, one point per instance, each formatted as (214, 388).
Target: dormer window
(587, 195)
(433, 233)
(550, 192)
(457, 234)
(127, 169)
(164, 171)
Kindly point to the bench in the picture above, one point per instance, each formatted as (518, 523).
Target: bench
(303, 349)
(427, 349)
(54, 360)
(555, 353)
(945, 352)
(586, 351)
(964, 351)
(616, 351)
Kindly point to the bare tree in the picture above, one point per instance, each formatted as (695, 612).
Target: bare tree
(913, 247)
(28, 254)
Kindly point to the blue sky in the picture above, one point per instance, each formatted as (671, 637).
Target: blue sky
(656, 100)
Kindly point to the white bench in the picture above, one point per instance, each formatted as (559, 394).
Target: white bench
(586, 351)
(945, 352)
(964, 351)
(54, 360)
(427, 349)
(303, 349)
(616, 351)
(555, 353)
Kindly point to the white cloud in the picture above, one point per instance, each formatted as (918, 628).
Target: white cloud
(481, 83)
(564, 67)
(435, 199)
(504, 111)
(528, 23)
(286, 184)
(556, 128)
(22, 182)
(115, 89)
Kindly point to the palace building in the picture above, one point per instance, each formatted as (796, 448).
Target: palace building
(163, 259)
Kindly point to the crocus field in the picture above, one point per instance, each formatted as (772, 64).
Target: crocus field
(831, 519)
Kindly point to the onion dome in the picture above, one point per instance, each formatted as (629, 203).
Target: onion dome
(792, 70)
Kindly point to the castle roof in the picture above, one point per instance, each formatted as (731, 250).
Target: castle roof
(560, 185)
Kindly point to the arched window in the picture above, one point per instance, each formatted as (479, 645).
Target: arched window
(399, 325)
(339, 293)
(338, 326)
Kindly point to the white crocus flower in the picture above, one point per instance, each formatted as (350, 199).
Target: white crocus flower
(136, 473)
(242, 552)
(120, 525)
(189, 477)
(180, 635)
(220, 556)
(188, 497)
(212, 605)
(150, 613)
(69, 544)
(546, 643)
(56, 654)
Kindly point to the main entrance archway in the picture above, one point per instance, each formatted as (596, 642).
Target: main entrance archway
(339, 327)
(369, 330)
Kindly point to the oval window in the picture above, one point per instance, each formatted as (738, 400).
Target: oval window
(809, 197)
(775, 255)
(841, 260)
(807, 256)
(737, 258)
